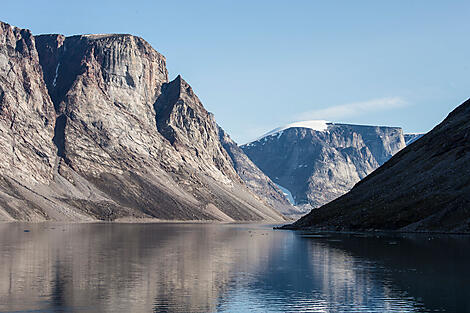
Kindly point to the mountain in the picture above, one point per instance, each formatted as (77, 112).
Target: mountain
(91, 129)
(424, 187)
(318, 161)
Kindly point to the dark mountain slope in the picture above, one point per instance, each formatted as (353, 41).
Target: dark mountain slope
(424, 187)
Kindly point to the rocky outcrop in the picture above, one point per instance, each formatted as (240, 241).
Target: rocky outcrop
(255, 179)
(192, 131)
(103, 87)
(319, 161)
(105, 136)
(424, 187)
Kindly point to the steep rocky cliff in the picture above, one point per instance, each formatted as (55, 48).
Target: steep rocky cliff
(27, 121)
(424, 187)
(26, 111)
(94, 130)
(318, 161)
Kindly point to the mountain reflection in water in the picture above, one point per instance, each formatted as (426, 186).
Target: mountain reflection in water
(227, 268)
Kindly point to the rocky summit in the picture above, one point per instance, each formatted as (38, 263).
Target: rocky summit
(424, 187)
(91, 129)
(318, 161)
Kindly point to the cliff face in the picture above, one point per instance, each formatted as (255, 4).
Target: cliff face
(319, 165)
(114, 138)
(424, 187)
(192, 131)
(26, 111)
(103, 88)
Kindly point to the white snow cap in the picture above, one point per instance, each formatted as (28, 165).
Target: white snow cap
(317, 125)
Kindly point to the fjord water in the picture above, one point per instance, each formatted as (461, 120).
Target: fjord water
(227, 268)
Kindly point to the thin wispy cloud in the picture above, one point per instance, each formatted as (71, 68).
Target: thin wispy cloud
(353, 109)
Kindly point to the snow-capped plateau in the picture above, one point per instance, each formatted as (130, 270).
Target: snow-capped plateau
(317, 125)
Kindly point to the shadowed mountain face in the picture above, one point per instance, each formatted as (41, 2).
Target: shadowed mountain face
(320, 164)
(92, 129)
(424, 187)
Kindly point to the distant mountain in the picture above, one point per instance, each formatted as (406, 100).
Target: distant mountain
(318, 161)
(91, 129)
(424, 187)
(410, 138)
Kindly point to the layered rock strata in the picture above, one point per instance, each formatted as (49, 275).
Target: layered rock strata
(92, 129)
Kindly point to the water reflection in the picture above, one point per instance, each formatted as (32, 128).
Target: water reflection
(428, 271)
(225, 268)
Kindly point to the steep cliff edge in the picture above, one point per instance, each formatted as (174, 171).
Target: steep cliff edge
(26, 111)
(192, 131)
(26, 127)
(318, 161)
(106, 156)
(424, 187)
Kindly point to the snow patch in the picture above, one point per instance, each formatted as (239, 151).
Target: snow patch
(287, 194)
(316, 125)
(54, 82)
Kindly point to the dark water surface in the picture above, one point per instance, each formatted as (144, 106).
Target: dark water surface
(227, 268)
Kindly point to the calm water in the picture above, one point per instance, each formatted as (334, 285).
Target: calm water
(227, 268)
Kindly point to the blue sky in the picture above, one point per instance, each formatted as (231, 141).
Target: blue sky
(260, 64)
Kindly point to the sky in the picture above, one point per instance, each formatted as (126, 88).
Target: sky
(260, 64)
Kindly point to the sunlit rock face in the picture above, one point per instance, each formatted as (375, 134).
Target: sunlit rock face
(424, 187)
(318, 161)
(106, 136)
(192, 131)
(104, 88)
(26, 111)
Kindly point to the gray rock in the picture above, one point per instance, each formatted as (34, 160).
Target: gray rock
(424, 187)
(93, 130)
(26, 111)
